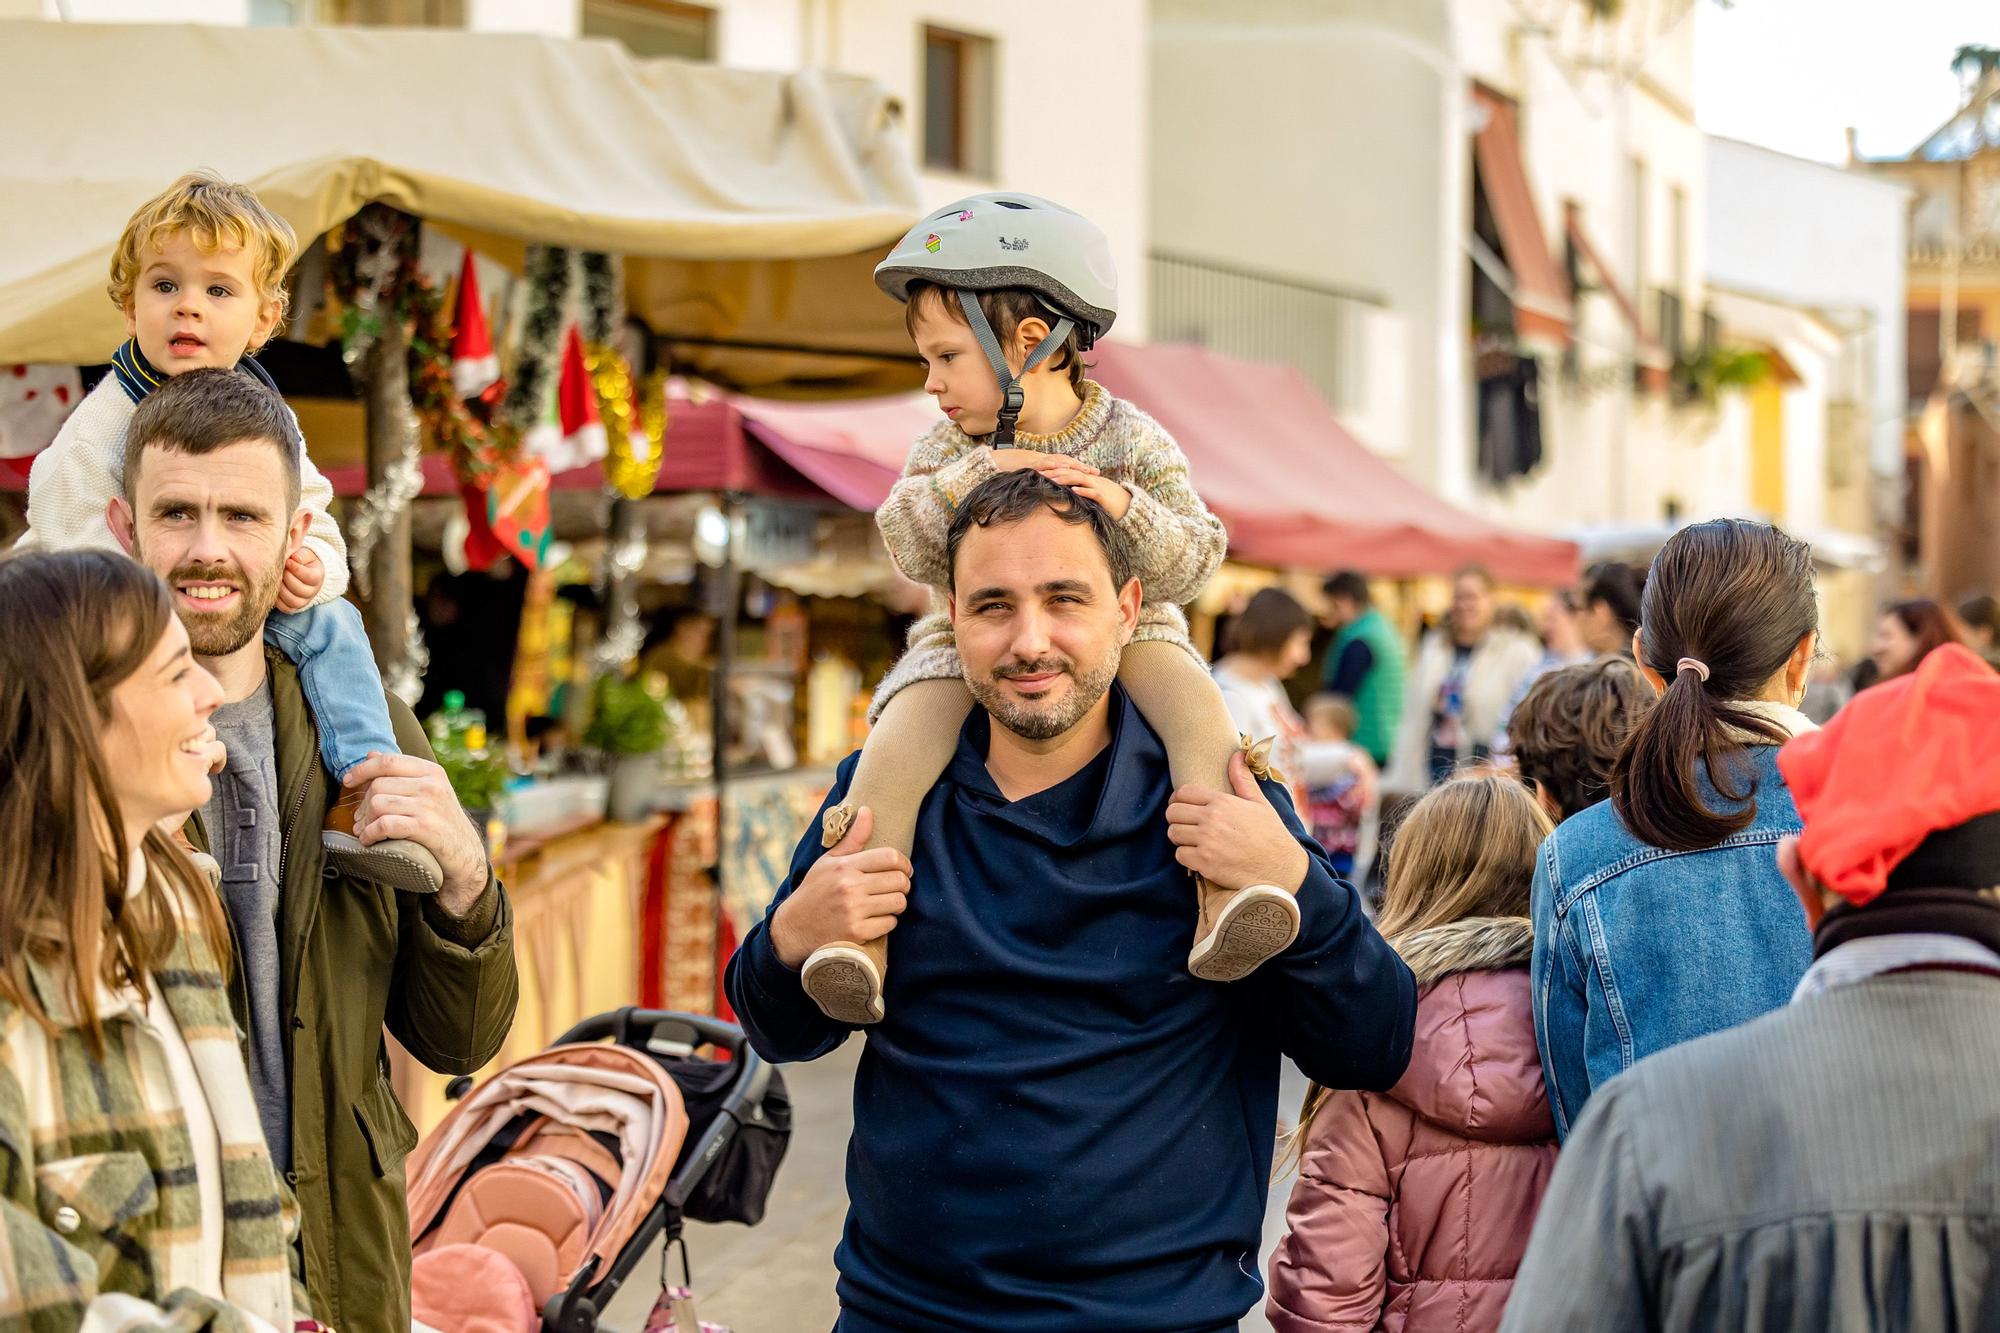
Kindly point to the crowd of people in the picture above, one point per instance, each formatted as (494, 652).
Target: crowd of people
(1677, 1008)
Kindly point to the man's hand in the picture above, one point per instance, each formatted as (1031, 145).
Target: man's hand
(849, 894)
(411, 798)
(1235, 839)
(304, 577)
(1074, 473)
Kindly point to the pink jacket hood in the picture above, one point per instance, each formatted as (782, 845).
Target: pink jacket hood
(1474, 1068)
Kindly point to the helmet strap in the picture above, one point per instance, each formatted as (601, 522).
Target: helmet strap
(1012, 399)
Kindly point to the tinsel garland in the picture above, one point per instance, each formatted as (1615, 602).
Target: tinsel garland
(551, 274)
(635, 423)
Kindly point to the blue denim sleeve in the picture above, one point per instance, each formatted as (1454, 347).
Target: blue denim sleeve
(780, 1019)
(329, 645)
(1558, 971)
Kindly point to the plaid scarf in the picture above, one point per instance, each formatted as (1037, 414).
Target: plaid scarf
(100, 1208)
(137, 377)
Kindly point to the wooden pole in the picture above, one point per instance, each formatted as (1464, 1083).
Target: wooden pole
(390, 419)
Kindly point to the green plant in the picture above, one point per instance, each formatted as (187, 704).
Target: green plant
(625, 718)
(1708, 372)
(477, 777)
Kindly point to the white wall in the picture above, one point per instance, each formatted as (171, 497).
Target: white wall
(1815, 235)
(1301, 141)
(132, 11)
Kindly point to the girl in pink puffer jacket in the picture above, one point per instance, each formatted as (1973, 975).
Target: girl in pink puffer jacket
(1413, 1206)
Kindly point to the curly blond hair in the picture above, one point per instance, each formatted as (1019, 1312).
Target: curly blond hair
(214, 213)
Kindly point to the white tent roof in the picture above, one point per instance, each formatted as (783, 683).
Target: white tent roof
(701, 175)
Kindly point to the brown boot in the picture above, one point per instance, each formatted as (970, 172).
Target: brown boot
(1238, 932)
(397, 862)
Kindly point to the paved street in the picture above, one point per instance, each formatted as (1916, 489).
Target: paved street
(777, 1277)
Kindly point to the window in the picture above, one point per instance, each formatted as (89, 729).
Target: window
(386, 13)
(652, 28)
(281, 13)
(958, 103)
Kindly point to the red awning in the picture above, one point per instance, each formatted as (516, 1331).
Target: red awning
(1653, 360)
(1541, 292)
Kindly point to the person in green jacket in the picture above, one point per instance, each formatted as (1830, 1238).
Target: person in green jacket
(1364, 664)
(325, 961)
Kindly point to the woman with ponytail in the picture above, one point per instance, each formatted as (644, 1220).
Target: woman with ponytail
(1660, 914)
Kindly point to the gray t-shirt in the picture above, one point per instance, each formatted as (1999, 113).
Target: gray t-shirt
(242, 819)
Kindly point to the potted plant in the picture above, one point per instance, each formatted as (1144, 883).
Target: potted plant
(629, 725)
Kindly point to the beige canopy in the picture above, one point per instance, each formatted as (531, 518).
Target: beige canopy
(750, 204)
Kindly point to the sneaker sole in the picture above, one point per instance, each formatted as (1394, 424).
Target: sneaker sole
(1258, 924)
(843, 982)
(379, 867)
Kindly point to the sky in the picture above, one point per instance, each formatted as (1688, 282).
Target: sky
(1793, 74)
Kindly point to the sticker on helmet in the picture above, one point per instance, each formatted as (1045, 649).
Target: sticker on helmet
(933, 243)
(966, 216)
(1020, 243)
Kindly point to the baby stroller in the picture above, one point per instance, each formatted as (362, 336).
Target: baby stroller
(566, 1167)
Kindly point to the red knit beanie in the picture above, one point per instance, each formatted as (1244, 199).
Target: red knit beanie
(1900, 762)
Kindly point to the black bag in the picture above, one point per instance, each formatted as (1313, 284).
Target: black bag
(737, 1183)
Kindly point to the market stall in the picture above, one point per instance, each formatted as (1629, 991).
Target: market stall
(605, 221)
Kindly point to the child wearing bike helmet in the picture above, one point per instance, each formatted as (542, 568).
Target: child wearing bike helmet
(1005, 292)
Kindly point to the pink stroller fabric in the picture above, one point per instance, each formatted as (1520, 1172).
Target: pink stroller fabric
(543, 1186)
(466, 1289)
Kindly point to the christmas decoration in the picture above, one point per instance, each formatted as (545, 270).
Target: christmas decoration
(34, 403)
(551, 275)
(474, 367)
(517, 514)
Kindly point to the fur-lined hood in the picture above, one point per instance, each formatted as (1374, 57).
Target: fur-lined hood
(1474, 1068)
(1474, 944)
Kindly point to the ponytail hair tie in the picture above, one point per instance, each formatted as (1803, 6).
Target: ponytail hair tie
(1694, 664)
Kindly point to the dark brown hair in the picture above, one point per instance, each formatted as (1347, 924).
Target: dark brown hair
(1267, 623)
(1981, 612)
(204, 410)
(1929, 624)
(1618, 586)
(1348, 583)
(1736, 596)
(1014, 496)
(1005, 309)
(1567, 732)
(78, 624)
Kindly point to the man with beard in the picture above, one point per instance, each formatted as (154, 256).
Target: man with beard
(1056, 1126)
(323, 960)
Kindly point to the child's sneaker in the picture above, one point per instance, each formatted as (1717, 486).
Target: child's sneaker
(845, 980)
(397, 862)
(1243, 931)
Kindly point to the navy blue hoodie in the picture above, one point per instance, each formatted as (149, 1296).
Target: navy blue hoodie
(1056, 1126)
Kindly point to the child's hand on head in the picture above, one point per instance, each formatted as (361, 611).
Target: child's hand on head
(1074, 473)
(304, 577)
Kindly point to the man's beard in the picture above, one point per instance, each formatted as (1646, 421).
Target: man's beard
(218, 634)
(1044, 721)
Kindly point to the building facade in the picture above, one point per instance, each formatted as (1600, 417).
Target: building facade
(1497, 207)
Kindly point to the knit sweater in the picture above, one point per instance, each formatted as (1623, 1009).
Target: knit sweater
(74, 480)
(1172, 541)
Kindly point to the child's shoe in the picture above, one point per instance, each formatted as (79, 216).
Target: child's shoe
(845, 979)
(397, 862)
(1238, 932)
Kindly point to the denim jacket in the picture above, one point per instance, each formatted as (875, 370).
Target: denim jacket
(1638, 948)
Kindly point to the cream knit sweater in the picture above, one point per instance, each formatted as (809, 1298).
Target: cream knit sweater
(1173, 542)
(74, 480)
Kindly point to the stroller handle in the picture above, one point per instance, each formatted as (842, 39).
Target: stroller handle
(621, 1025)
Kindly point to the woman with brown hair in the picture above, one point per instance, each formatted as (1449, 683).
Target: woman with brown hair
(1413, 1207)
(1906, 634)
(1660, 914)
(135, 1187)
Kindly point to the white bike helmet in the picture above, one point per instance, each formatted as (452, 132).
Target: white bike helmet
(992, 242)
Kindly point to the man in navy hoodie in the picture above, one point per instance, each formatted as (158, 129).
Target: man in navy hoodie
(1055, 1125)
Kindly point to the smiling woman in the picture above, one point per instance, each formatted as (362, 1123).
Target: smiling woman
(112, 961)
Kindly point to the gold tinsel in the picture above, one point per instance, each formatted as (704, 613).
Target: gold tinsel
(628, 417)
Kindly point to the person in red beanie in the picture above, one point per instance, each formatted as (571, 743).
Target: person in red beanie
(1835, 1164)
